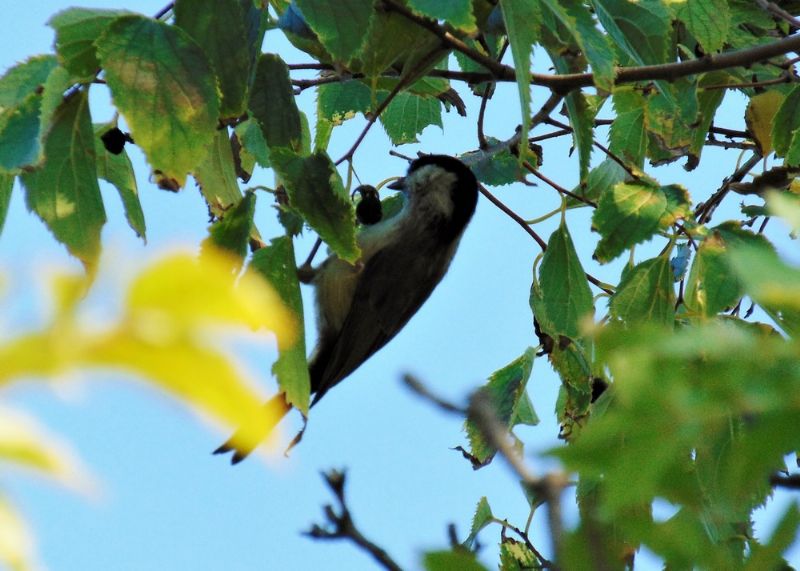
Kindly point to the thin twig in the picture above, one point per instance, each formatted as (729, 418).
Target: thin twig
(560, 189)
(514, 216)
(776, 10)
(791, 482)
(705, 210)
(421, 390)
(401, 84)
(606, 150)
(342, 526)
(548, 487)
(160, 14)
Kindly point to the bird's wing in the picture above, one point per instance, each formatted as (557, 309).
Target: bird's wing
(386, 297)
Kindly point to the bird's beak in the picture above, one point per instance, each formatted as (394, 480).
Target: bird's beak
(399, 184)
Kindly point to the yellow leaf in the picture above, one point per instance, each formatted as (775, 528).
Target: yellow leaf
(186, 292)
(25, 443)
(16, 541)
(198, 375)
(759, 117)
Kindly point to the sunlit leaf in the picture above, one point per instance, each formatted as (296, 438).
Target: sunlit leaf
(220, 27)
(561, 299)
(711, 286)
(64, 192)
(760, 115)
(708, 21)
(481, 518)
(24, 443)
(76, 31)
(646, 294)
(505, 391)
(408, 115)
(629, 214)
(17, 548)
(163, 85)
(594, 44)
(786, 128)
(628, 138)
(216, 176)
(340, 101)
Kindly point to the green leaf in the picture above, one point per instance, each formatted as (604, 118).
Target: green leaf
(64, 192)
(708, 100)
(232, 232)
(516, 556)
(711, 286)
(19, 135)
(272, 104)
(642, 29)
(708, 21)
(505, 390)
(22, 122)
(770, 282)
(408, 115)
(457, 13)
(495, 165)
(316, 191)
(646, 294)
(458, 560)
(219, 26)
(561, 299)
(340, 26)
(595, 46)
(483, 517)
(276, 262)
(24, 79)
(786, 128)
(340, 101)
(6, 184)
(627, 215)
(600, 179)
(787, 206)
(163, 85)
(628, 137)
(769, 556)
(671, 114)
(581, 118)
(76, 32)
(252, 140)
(118, 170)
(522, 19)
(394, 41)
(216, 176)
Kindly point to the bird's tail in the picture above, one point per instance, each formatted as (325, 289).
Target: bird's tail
(245, 440)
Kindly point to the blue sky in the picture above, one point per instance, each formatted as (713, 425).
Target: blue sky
(167, 503)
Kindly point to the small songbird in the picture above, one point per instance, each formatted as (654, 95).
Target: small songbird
(362, 307)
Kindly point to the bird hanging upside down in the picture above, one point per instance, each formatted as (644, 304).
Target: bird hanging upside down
(362, 307)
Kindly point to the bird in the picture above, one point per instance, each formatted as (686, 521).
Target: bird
(361, 307)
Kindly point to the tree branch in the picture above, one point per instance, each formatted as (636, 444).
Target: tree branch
(340, 525)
